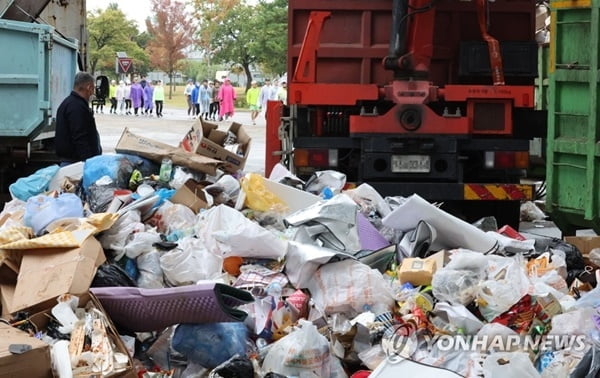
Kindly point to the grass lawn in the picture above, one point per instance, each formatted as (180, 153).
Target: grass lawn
(178, 100)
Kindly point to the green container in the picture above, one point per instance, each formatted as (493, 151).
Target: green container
(37, 69)
(573, 154)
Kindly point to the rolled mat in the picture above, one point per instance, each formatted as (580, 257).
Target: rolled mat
(140, 310)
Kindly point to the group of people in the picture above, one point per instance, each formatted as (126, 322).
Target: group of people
(141, 97)
(214, 101)
(257, 98)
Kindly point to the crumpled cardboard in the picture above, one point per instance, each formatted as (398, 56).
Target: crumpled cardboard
(33, 363)
(192, 195)
(47, 273)
(157, 151)
(206, 139)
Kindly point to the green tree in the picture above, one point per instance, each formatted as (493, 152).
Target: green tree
(270, 46)
(234, 33)
(172, 32)
(109, 32)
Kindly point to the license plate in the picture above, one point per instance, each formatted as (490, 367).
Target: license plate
(411, 164)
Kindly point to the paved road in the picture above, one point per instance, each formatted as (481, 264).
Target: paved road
(173, 126)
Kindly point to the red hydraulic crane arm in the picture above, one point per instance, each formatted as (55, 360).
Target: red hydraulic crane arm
(493, 44)
(306, 70)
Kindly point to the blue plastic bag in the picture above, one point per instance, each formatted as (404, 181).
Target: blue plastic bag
(37, 183)
(116, 166)
(210, 344)
(40, 211)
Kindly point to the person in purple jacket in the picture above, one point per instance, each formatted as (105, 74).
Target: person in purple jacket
(148, 98)
(136, 94)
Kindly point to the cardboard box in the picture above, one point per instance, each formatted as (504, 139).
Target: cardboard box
(584, 243)
(130, 143)
(206, 139)
(192, 195)
(40, 320)
(417, 271)
(33, 363)
(45, 274)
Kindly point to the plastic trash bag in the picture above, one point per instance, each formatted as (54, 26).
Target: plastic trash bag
(530, 212)
(589, 366)
(350, 287)
(100, 196)
(37, 183)
(190, 263)
(322, 180)
(304, 351)
(141, 242)
(42, 210)
(117, 237)
(151, 273)
(210, 344)
(118, 167)
(507, 284)
(172, 217)
(458, 287)
(258, 197)
(235, 367)
(509, 364)
(226, 232)
(109, 275)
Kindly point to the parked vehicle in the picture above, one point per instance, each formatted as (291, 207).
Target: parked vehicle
(429, 113)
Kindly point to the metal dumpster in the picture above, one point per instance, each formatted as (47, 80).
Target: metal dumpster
(573, 152)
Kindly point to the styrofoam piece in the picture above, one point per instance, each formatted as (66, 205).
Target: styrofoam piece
(72, 171)
(408, 368)
(295, 199)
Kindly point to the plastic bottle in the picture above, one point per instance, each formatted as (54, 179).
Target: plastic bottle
(165, 170)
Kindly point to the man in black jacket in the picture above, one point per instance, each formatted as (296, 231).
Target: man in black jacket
(77, 138)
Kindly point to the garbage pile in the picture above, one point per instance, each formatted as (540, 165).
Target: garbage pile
(118, 267)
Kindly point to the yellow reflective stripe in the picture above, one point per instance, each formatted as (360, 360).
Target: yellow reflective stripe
(566, 4)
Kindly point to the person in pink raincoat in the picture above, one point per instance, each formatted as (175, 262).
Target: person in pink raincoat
(226, 99)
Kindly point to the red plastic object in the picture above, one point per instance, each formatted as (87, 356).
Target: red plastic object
(511, 233)
(272, 143)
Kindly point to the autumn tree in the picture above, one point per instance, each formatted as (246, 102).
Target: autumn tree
(109, 32)
(172, 30)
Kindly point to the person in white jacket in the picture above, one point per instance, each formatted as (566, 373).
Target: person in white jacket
(121, 98)
(265, 95)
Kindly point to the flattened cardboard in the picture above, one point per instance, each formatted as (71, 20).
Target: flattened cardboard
(191, 195)
(206, 139)
(584, 243)
(156, 151)
(46, 274)
(33, 363)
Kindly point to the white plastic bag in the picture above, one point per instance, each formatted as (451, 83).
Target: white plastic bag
(141, 242)
(304, 352)
(190, 263)
(350, 287)
(506, 284)
(226, 232)
(511, 364)
(172, 217)
(151, 273)
(117, 236)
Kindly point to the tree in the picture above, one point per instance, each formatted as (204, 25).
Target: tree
(109, 32)
(238, 34)
(172, 31)
(270, 46)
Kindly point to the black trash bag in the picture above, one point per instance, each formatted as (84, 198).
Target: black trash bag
(100, 196)
(589, 366)
(573, 258)
(235, 367)
(109, 275)
(52, 330)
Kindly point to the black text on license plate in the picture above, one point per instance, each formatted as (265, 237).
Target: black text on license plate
(411, 163)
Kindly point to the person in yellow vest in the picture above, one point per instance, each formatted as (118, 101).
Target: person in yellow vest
(252, 101)
(112, 95)
(159, 98)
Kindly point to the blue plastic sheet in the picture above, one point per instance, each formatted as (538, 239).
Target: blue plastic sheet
(37, 183)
